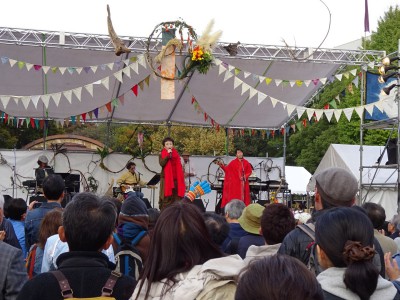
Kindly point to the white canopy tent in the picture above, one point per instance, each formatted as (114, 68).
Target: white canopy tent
(348, 157)
(297, 179)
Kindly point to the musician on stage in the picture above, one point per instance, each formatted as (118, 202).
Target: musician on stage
(172, 182)
(42, 172)
(131, 178)
(236, 183)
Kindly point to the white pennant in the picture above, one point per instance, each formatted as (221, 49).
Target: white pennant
(319, 113)
(337, 113)
(110, 66)
(221, 69)
(4, 100)
(45, 69)
(126, 62)
(278, 82)
(245, 87)
(246, 74)
(135, 67)
(62, 70)
(348, 112)
(16, 100)
(371, 64)
(284, 104)
(261, 78)
(253, 92)
(89, 88)
(106, 82)
(78, 93)
(217, 62)
(261, 97)
(328, 114)
(292, 82)
(346, 75)
(118, 75)
(79, 70)
(359, 110)
(25, 101)
(45, 100)
(56, 98)
(94, 69)
(353, 72)
(369, 108)
(379, 105)
(307, 82)
(127, 71)
(290, 109)
(230, 68)
(28, 66)
(310, 113)
(68, 95)
(227, 76)
(236, 82)
(273, 101)
(35, 100)
(339, 76)
(300, 111)
(142, 61)
(323, 80)
(12, 62)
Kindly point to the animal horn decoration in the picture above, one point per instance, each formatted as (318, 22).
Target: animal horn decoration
(119, 46)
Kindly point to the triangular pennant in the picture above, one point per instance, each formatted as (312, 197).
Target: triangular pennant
(108, 106)
(37, 67)
(83, 116)
(147, 80)
(371, 65)
(12, 62)
(346, 75)
(292, 82)
(106, 82)
(118, 75)
(323, 80)
(253, 92)
(348, 112)
(29, 66)
(68, 95)
(110, 66)
(307, 82)
(278, 82)
(96, 113)
(328, 114)
(4, 100)
(261, 97)
(273, 101)
(56, 98)
(299, 83)
(315, 81)
(54, 69)
(319, 113)
(290, 109)
(379, 105)
(127, 71)
(141, 85)
(360, 111)
(62, 70)
(221, 69)
(246, 74)
(353, 72)
(78, 93)
(86, 69)
(79, 70)
(227, 76)
(32, 121)
(339, 76)
(90, 113)
(89, 88)
(300, 111)
(4, 59)
(45, 69)
(35, 100)
(73, 119)
(94, 69)
(135, 67)
(25, 101)
(355, 81)
(114, 102)
(237, 71)
(231, 68)
(236, 82)
(135, 89)
(333, 104)
(45, 100)
(21, 64)
(142, 61)
(337, 113)
(121, 99)
(310, 112)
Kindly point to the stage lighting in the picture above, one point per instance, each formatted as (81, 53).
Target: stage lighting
(387, 90)
(386, 61)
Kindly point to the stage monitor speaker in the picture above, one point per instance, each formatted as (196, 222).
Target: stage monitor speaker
(199, 203)
(392, 152)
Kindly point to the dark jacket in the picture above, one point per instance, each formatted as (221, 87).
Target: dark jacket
(246, 241)
(235, 233)
(11, 237)
(86, 272)
(33, 219)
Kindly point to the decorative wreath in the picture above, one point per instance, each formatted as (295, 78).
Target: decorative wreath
(199, 51)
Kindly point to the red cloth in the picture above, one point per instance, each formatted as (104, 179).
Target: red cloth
(173, 172)
(234, 186)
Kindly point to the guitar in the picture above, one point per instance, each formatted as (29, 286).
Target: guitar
(125, 188)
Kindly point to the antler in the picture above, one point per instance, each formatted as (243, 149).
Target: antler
(119, 46)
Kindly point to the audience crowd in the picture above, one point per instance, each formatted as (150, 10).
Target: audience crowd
(104, 247)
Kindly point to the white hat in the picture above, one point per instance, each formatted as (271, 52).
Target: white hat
(43, 159)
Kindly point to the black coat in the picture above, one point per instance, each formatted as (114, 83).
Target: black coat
(86, 272)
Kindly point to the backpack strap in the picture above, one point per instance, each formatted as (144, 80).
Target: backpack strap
(137, 239)
(67, 292)
(30, 260)
(308, 229)
(117, 239)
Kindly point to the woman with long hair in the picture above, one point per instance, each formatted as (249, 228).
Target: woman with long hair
(183, 262)
(345, 239)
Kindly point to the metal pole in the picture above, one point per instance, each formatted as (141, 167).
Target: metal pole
(284, 151)
(397, 99)
(362, 96)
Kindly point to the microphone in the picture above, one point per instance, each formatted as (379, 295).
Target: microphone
(139, 172)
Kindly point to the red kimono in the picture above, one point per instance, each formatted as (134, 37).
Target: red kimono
(236, 183)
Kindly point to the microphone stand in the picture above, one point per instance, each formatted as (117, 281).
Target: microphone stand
(14, 173)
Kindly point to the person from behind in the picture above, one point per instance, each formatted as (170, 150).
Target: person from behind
(53, 189)
(233, 211)
(217, 227)
(250, 221)
(7, 233)
(183, 261)
(345, 250)
(276, 222)
(283, 277)
(17, 209)
(88, 224)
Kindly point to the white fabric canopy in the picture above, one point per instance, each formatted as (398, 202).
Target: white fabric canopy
(297, 179)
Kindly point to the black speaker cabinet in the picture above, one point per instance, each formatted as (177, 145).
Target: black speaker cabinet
(392, 152)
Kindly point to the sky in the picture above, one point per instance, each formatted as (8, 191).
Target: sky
(302, 23)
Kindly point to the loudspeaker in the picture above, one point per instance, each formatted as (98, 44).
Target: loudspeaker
(199, 203)
(392, 152)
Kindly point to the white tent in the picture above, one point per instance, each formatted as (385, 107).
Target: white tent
(379, 184)
(297, 179)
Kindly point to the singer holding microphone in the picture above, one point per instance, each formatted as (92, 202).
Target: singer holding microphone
(172, 182)
(236, 183)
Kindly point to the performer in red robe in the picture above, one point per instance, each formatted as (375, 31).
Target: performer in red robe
(172, 182)
(236, 183)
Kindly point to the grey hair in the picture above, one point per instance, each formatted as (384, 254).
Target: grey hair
(234, 208)
(395, 221)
